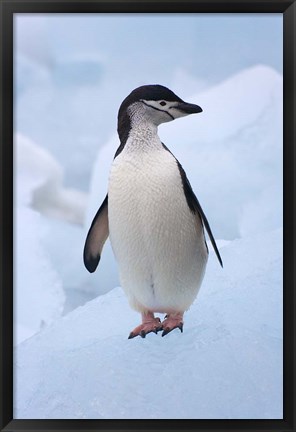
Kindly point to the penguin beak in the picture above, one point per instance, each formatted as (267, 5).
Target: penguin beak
(189, 108)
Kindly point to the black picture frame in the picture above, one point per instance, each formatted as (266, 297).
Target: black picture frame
(7, 9)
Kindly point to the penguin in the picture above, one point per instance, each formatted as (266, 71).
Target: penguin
(152, 216)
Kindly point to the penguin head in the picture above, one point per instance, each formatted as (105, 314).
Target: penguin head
(155, 104)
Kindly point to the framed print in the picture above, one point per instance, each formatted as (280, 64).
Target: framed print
(147, 264)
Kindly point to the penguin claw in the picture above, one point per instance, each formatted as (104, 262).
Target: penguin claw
(166, 331)
(131, 335)
(143, 333)
(172, 322)
(147, 327)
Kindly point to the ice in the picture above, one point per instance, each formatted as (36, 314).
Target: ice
(235, 147)
(64, 244)
(42, 183)
(40, 188)
(38, 297)
(38, 294)
(49, 241)
(226, 364)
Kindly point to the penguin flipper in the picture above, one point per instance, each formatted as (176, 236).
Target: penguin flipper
(96, 237)
(209, 231)
(194, 204)
(195, 207)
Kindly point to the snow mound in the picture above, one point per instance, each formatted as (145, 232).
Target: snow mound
(41, 183)
(233, 152)
(39, 297)
(50, 241)
(226, 364)
(38, 293)
(64, 244)
(229, 107)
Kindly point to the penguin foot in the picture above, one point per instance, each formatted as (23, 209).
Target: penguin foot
(150, 324)
(171, 322)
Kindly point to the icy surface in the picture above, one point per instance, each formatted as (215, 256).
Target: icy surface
(39, 297)
(41, 183)
(42, 272)
(226, 364)
(64, 244)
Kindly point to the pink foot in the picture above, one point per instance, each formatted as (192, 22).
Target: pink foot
(149, 324)
(172, 321)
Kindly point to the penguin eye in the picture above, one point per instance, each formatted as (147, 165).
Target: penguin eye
(163, 103)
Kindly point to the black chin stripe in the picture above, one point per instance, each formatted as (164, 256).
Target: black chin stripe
(158, 109)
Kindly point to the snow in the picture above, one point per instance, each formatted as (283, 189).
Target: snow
(39, 297)
(64, 244)
(41, 183)
(40, 194)
(226, 364)
(235, 147)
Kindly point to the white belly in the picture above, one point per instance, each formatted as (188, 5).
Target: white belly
(158, 243)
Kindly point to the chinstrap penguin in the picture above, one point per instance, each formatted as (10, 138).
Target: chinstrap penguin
(154, 220)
